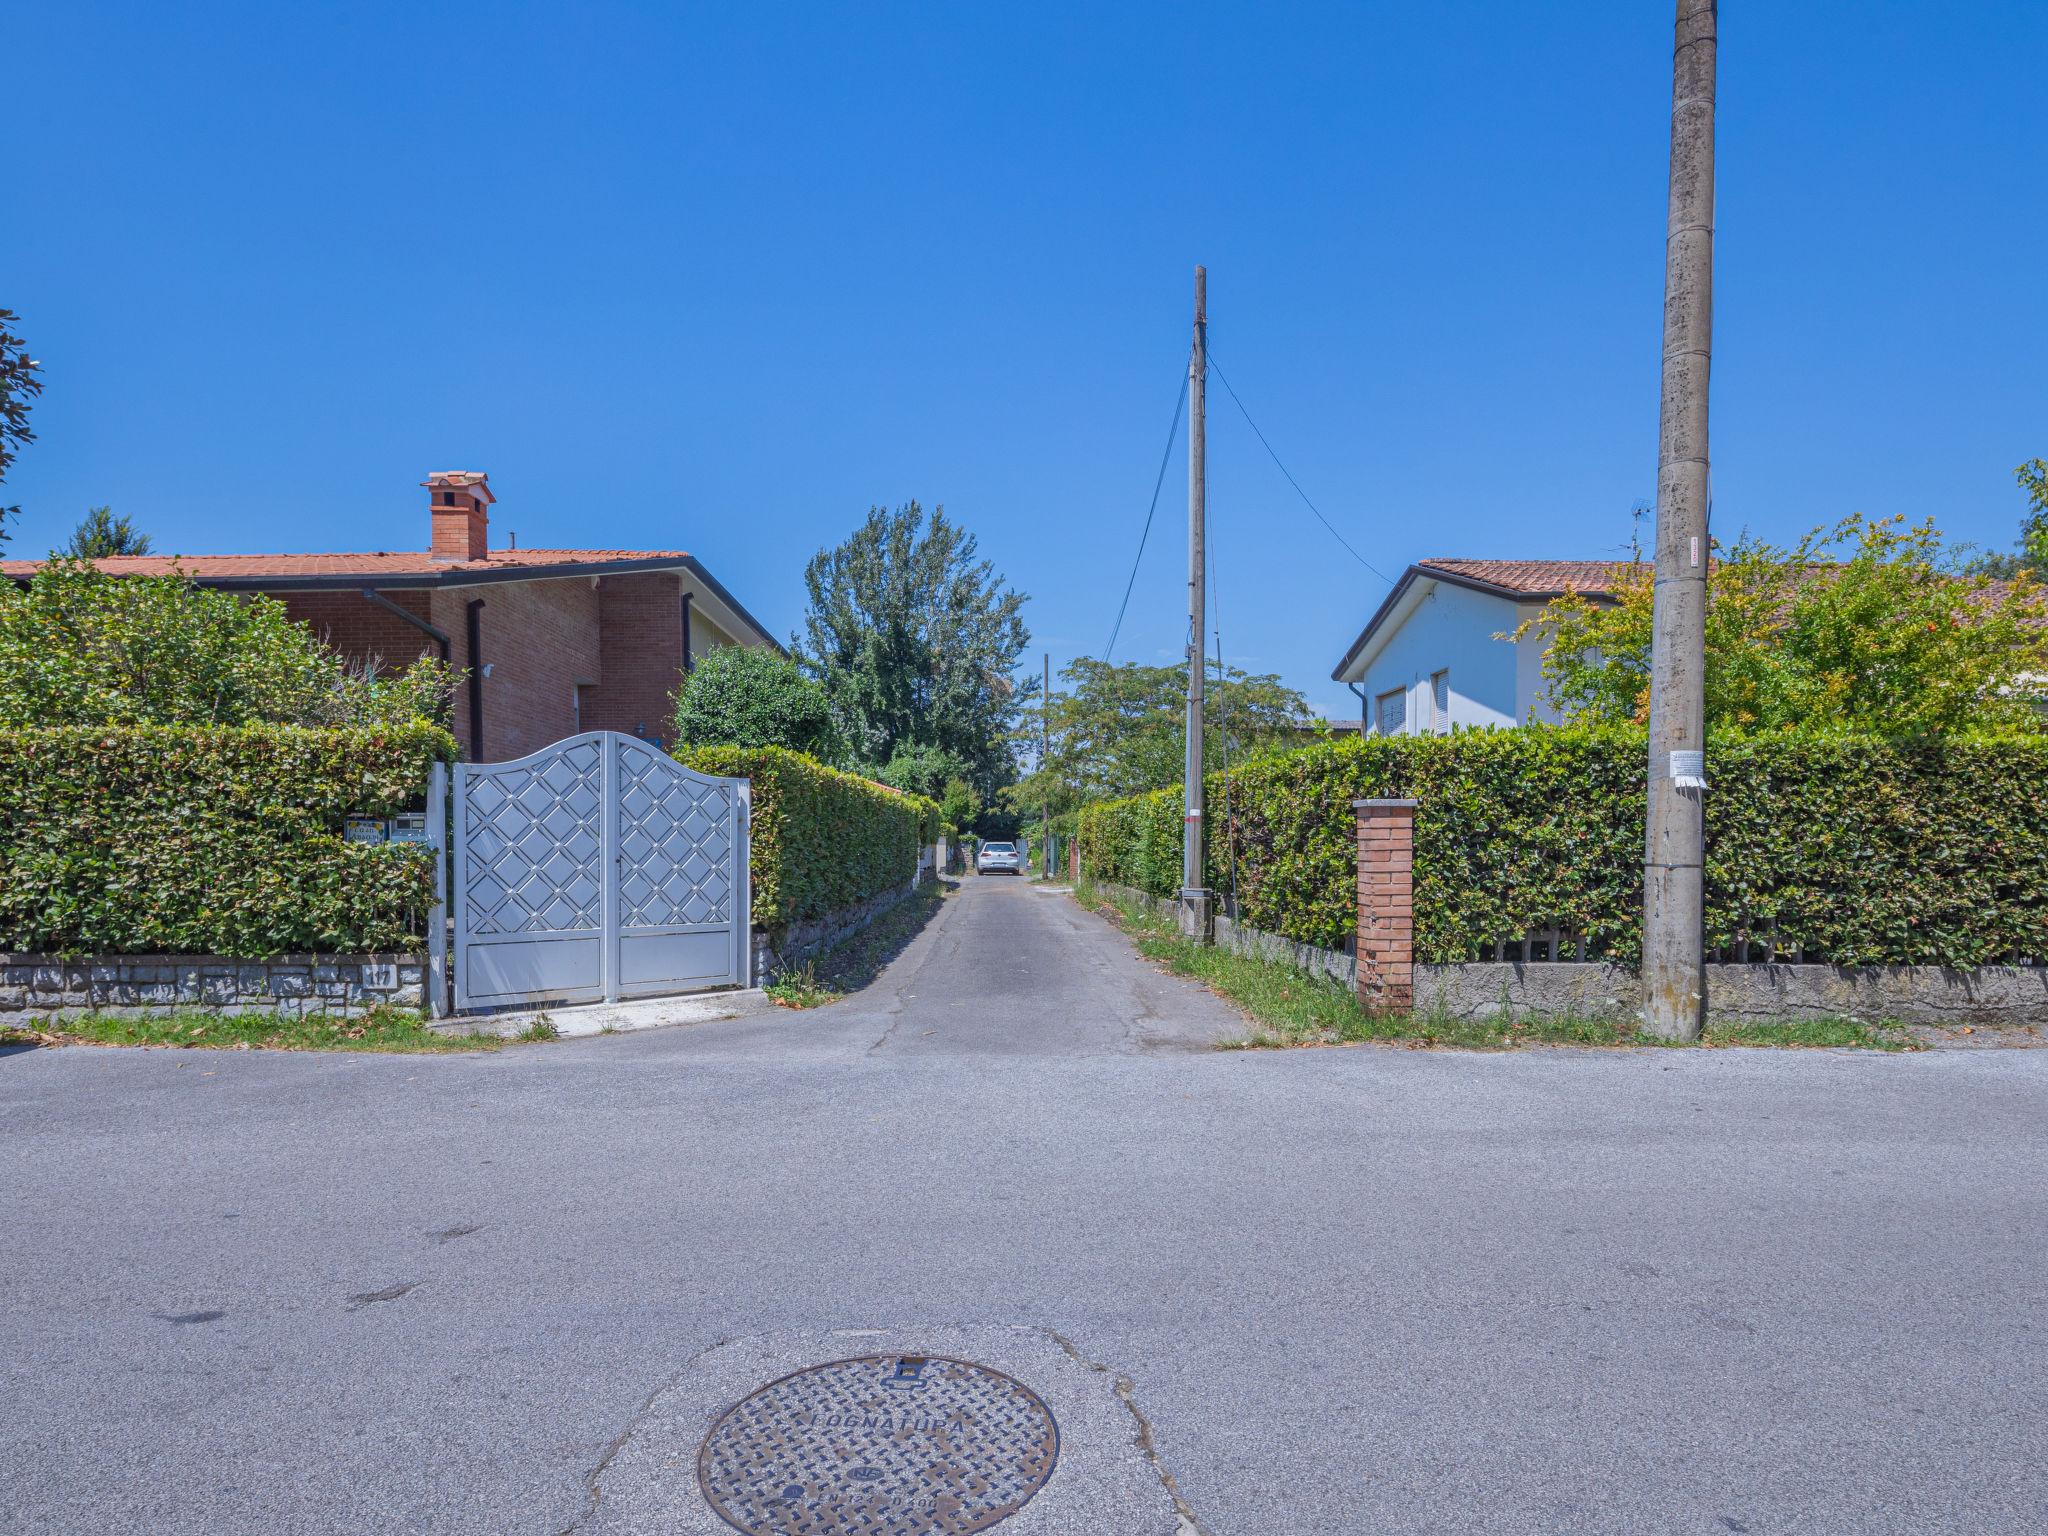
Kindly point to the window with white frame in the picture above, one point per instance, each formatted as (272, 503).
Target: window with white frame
(1440, 701)
(1391, 709)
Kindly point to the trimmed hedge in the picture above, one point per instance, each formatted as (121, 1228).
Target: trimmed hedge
(1930, 852)
(822, 839)
(210, 840)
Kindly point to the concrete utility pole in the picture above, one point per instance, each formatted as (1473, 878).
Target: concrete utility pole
(1044, 751)
(1674, 941)
(1195, 916)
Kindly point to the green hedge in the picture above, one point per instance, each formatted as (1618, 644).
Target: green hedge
(1857, 852)
(822, 839)
(209, 840)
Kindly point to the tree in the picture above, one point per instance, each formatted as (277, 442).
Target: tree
(100, 534)
(1896, 639)
(923, 770)
(1118, 730)
(2032, 553)
(915, 641)
(958, 806)
(19, 387)
(738, 696)
(79, 647)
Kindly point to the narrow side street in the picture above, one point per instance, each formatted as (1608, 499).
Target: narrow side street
(1347, 1290)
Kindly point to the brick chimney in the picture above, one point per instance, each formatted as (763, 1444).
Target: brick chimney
(459, 500)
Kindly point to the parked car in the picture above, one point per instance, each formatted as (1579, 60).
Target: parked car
(997, 857)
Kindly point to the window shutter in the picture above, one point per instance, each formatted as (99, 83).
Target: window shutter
(1440, 700)
(1393, 709)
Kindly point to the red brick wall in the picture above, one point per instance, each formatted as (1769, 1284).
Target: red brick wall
(1386, 903)
(621, 640)
(358, 628)
(540, 640)
(640, 631)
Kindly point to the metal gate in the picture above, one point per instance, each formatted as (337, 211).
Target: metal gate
(596, 869)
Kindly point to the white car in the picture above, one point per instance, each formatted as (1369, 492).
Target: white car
(995, 857)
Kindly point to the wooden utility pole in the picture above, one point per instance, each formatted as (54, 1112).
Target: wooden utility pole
(1044, 752)
(1195, 917)
(1674, 940)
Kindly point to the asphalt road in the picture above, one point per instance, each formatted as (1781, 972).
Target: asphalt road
(1352, 1290)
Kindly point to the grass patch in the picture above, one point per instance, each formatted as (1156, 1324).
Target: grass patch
(381, 1030)
(859, 958)
(1292, 1007)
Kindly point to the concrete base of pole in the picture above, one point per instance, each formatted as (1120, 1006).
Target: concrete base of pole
(1197, 915)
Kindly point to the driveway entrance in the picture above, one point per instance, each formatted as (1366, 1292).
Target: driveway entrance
(595, 869)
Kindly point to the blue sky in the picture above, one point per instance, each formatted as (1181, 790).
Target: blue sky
(720, 277)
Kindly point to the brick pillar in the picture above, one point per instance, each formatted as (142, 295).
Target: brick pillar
(1386, 903)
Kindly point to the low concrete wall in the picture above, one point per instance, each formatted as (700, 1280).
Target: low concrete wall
(1913, 994)
(788, 948)
(50, 986)
(1245, 940)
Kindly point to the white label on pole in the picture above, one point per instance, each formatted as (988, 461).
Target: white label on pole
(1689, 769)
(1695, 549)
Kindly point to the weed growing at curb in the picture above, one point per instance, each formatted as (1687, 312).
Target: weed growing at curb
(1292, 1007)
(383, 1029)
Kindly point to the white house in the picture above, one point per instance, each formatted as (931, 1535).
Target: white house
(1433, 656)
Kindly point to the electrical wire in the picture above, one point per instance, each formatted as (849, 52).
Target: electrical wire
(1354, 554)
(1165, 458)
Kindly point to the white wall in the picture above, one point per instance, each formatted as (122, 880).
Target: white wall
(1454, 627)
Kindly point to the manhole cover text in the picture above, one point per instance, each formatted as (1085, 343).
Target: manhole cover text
(892, 1445)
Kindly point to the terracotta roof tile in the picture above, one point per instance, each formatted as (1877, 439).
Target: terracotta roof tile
(1538, 578)
(409, 562)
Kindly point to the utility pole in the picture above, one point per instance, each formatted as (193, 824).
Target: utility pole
(1044, 752)
(1674, 940)
(1195, 916)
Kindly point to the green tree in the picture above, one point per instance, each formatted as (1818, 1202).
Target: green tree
(958, 806)
(1119, 730)
(79, 647)
(1895, 639)
(19, 386)
(100, 534)
(915, 641)
(739, 696)
(2033, 479)
(923, 770)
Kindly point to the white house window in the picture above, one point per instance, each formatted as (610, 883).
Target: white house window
(1393, 711)
(1440, 700)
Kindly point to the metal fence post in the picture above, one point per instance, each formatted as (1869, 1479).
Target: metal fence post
(437, 916)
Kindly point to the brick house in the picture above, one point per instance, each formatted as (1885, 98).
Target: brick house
(554, 641)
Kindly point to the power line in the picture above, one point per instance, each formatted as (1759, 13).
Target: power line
(1165, 458)
(1383, 576)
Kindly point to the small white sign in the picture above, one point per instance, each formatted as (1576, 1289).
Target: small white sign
(363, 829)
(1689, 769)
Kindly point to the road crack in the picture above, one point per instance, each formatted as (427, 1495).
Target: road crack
(1127, 1394)
(591, 1494)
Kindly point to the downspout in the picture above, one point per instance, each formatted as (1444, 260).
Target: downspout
(438, 636)
(475, 615)
(1364, 725)
(689, 661)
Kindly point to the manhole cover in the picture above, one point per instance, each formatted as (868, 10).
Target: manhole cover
(895, 1445)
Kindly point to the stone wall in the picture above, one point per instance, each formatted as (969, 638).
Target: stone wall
(48, 986)
(1911, 994)
(788, 948)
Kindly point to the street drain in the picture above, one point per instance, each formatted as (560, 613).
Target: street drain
(892, 1445)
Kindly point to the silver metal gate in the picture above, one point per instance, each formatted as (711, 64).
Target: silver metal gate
(596, 869)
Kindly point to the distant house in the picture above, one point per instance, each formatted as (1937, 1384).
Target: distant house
(555, 641)
(1432, 657)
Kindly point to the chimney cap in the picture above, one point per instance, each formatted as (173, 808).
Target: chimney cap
(475, 481)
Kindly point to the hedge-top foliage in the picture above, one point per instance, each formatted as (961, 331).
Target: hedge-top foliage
(822, 839)
(1930, 851)
(210, 840)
